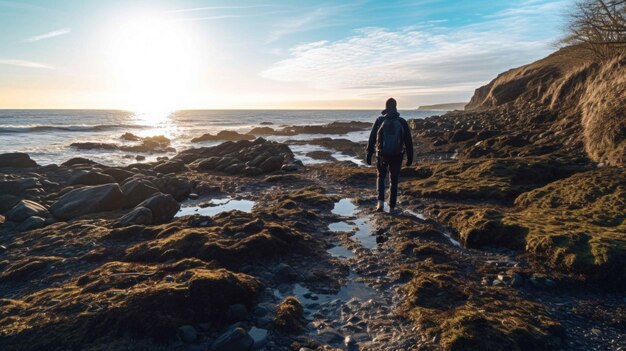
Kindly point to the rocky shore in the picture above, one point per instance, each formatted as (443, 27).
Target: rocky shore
(511, 237)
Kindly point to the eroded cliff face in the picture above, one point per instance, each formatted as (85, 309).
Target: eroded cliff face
(580, 92)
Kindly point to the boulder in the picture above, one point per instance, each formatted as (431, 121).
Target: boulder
(16, 160)
(139, 215)
(10, 187)
(163, 207)
(206, 164)
(25, 209)
(179, 188)
(94, 146)
(236, 168)
(262, 131)
(78, 161)
(273, 163)
(88, 199)
(236, 339)
(259, 336)
(237, 312)
(7, 202)
(130, 137)
(187, 333)
(91, 178)
(33, 222)
(223, 135)
(118, 174)
(170, 167)
(136, 191)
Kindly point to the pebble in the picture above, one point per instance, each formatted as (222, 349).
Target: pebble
(259, 336)
(237, 312)
(187, 333)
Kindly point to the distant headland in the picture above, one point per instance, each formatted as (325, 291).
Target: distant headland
(443, 107)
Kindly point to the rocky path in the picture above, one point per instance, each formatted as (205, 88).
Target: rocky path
(367, 311)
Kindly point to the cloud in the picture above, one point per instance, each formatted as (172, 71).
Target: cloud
(22, 63)
(414, 60)
(213, 8)
(320, 17)
(54, 33)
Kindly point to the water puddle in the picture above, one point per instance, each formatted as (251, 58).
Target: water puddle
(340, 251)
(365, 233)
(341, 227)
(353, 289)
(301, 151)
(415, 214)
(362, 226)
(344, 207)
(452, 240)
(216, 206)
(447, 233)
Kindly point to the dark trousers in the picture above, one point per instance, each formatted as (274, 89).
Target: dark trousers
(391, 165)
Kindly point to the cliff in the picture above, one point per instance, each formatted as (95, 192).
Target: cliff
(577, 91)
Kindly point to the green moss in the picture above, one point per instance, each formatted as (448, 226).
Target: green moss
(484, 227)
(463, 315)
(578, 224)
(123, 300)
(494, 179)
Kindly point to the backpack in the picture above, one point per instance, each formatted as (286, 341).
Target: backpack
(390, 137)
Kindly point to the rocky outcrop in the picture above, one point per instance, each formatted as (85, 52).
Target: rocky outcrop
(163, 207)
(16, 160)
(91, 178)
(89, 199)
(154, 144)
(25, 209)
(223, 135)
(136, 191)
(244, 157)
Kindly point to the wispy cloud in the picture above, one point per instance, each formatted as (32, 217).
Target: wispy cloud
(52, 34)
(214, 8)
(316, 18)
(22, 63)
(417, 60)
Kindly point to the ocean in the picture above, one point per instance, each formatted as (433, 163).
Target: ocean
(46, 135)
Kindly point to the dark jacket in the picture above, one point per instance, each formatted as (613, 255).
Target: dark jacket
(408, 141)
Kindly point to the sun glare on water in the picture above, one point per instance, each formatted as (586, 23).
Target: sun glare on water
(153, 63)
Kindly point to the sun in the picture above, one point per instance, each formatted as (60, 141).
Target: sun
(153, 63)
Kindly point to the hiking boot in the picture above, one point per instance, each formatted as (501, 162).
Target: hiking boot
(380, 207)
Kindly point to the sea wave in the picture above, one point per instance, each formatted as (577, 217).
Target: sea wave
(75, 128)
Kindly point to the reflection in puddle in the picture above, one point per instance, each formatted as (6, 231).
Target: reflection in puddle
(340, 251)
(301, 151)
(452, 240)
(310, 300)
(341, 227)
(216, 206)
(445, 232)
(415, 214)
(365, 233)
(344, 207)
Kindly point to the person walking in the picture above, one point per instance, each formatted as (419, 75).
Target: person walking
(391, 139)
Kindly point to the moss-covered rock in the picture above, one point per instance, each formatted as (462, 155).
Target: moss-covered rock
(578, 224)
(123, 299)
(462, 315)
(289, 316)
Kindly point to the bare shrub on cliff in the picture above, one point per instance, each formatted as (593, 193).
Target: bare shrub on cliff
(599, 25)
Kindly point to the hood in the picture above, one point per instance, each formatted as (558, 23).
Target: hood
(390, 113)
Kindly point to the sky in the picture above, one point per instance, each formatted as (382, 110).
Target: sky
(192, 54)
